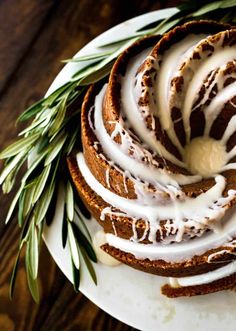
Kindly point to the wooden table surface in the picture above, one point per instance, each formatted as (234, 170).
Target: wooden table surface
(35, 35)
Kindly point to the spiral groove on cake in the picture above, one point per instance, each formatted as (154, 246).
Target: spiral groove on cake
(158, 169)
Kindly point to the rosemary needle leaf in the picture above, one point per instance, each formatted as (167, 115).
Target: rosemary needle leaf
(13, 205)
(33, 284)
(8, 182)
(60, 115)
(55, 96)
(69, 202)
(43, 103)
(40, 232)
(80, 237)
(88, 57)
(33, 250)
(49, 216)
(94, 73)
(21, 208)
(54, 150)
(97, 75)
(150, 25)
(54, 177)
(82, 226)
(118, 41)
(11, 177)
(13, 276)
(167, 26)
(82, 72)
(10, 166)
(72, 141)
(41, 182)
(76, 277)
(31, 111)
(40, 122)
(33, 166)
(42, 144)
(28, 199)
(25, 231)
(207, 8)
(64, 229)
(228, 4)
(81, 209)
(74, 249)
(21, 145)
(88, 265)
(43, 203)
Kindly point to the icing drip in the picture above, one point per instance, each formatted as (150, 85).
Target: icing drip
(108, 177)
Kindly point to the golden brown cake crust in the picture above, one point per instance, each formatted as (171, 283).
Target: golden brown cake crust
(189, 291)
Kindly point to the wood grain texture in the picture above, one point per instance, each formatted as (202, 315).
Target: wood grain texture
(35, 36)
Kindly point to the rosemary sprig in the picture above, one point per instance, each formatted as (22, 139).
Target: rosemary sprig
(52, 135)
(79, 242)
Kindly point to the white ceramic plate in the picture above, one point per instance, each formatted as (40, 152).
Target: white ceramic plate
(133, 296)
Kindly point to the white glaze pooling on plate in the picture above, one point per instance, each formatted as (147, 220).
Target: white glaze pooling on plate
(99, 239)
(138, 302)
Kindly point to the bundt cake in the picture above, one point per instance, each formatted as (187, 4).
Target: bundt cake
(158, 168)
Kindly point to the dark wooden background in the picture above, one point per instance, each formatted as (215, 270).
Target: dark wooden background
(35, 35)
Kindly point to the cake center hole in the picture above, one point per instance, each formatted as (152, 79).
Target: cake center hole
(205, 156)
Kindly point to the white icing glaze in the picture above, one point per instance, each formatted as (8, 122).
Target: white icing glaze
(230, 129)
(205, 278)
(179, 51)
(219, 58)
(205, 156)
(216, 105)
